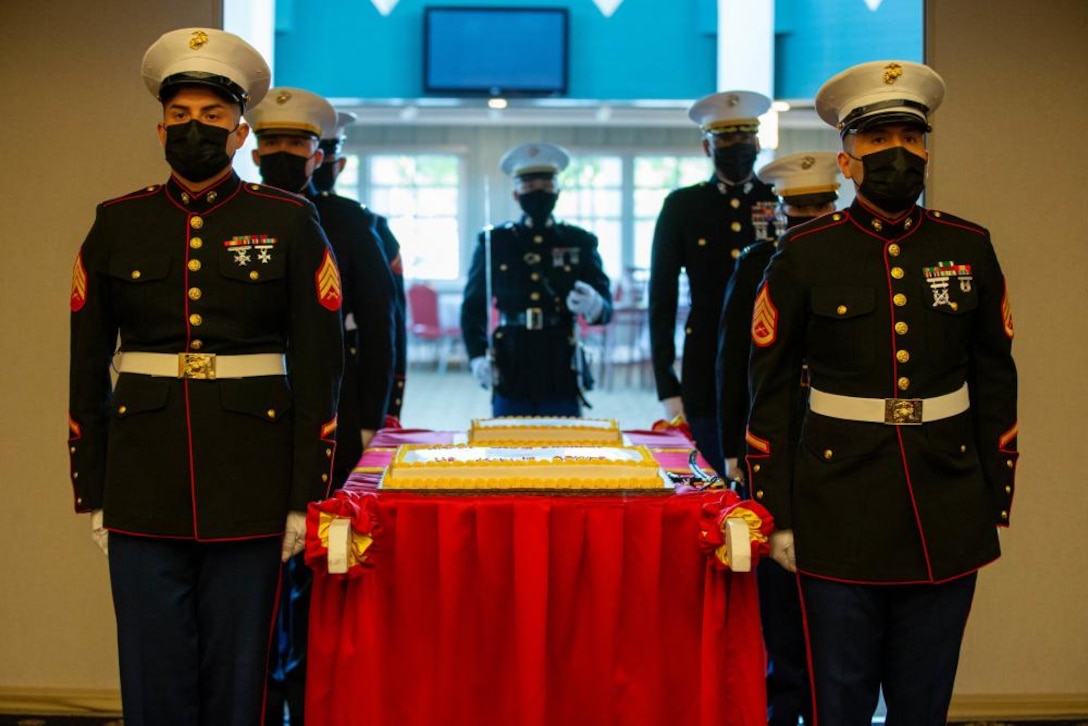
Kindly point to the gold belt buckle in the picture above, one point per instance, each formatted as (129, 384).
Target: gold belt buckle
(534, 318)
(199, 366)
(903, 411)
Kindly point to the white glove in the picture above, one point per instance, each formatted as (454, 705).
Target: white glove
(294, 535)
(99, 534)
(674, 406)
(782, 549)
(584, 300)
(481, 371)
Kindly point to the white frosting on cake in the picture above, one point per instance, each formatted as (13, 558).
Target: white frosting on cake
(503, 467)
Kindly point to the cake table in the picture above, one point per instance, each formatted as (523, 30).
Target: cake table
(530, 609)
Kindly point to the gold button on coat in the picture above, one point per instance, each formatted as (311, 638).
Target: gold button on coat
(903, 383)
(841, 310)
(877, 225)
(196, 243)
(901, 328)
(502, 267)
(135, 274)
(734, 253)
(736, 226)
(535, 276)
(534, 296)
(538, 239)
(902, 356)
(196, 320)
(196, 222)
(122, 409)
(897, 273)
(756, 467)
(702, 242)
(893, 250)
(900, 300)
(195, 293)
(197, 344)
(254, 275)
(734, 203)
(271, 413)
(829, 454)
(194, 265)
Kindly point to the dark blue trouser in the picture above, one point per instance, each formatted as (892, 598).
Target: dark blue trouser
(503, 406)
(905, 638)
(287, 666)
(194, 621)
(788, 694)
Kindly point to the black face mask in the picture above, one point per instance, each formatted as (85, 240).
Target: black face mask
(197, 151)
(324, 177)
(892, 178)
(538, 205)
(285, 171)
(735, 162)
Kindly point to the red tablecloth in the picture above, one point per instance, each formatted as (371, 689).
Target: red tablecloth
(534, 610)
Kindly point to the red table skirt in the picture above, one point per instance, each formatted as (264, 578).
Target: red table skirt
(535, 610)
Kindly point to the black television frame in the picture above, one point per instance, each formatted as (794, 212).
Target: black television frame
(495, 91)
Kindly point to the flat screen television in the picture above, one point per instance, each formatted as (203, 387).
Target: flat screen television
(495, 51)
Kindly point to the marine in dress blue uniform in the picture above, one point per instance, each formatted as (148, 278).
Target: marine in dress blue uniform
(889, 500)
(701, 230)
(289, 124)
(543, 273)
(201, 460)
(324, 181)
(807, 188)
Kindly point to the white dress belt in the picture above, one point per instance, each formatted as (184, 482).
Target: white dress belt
(892, 411)
(201, 366)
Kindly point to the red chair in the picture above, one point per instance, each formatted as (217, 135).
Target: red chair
(425, 324)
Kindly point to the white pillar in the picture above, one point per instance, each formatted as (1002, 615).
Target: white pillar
(255, 22)
(746, 55)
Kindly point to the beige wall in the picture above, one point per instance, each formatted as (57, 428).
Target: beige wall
(79, 127)
(1009, 152)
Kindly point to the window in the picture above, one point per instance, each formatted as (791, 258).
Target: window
(592, 198)
(654, 177)
(420, 194)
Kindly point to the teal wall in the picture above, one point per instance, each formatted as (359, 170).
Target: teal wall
(815, 39)
(648, 49)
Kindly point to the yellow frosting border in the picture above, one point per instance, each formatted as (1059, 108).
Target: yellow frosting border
(645, 475)
(572, 433)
